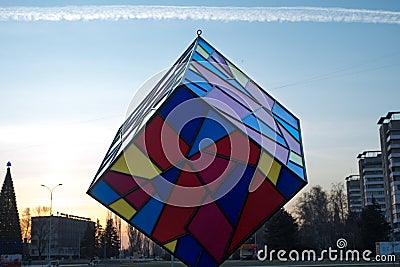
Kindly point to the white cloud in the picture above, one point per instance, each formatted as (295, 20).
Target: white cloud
(227, 14)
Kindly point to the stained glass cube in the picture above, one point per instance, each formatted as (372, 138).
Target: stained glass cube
(203, 161)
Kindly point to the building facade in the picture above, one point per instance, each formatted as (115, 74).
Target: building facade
(371, 179)
(389, 133)
(353, 188)
(59, 236)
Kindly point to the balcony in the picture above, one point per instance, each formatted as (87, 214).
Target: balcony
(372, 169)
(394, 175)
(394, 155)
(351, 190)
(394, 164)
(393, 146)
(374, 190)
(393, 137)
(372, 176)
(369, 182)
(396, 199)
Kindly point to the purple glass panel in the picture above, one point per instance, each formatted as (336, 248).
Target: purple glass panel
(293, 144)
(235, 109)
(281, 154)
(244, 99)
(238, 95)
(218, 58)
(260, 95)
(273, 148)
(211, 77)
(265, 117)
(219, 67)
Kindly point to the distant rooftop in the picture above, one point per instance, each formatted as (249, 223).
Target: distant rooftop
(352, 177)
(369, 154)
(394, 115)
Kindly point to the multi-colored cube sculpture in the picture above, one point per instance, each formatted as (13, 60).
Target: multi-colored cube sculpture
(203, 161)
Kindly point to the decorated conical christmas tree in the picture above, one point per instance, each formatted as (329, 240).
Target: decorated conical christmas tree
(10, 230)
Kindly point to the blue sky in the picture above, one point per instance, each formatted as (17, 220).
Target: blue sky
(66, 85)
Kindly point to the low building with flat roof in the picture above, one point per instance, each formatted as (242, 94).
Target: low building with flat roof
(58, 236)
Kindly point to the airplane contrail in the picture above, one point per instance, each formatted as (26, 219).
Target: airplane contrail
(207, 13)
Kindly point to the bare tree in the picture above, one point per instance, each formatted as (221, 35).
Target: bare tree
(131, 239)
(135, 239)
(41, 210)
(98, 236)
(337, 202)
(157, 250)
(39, 229)
(39, 235)
(25, 223)
(314, 218)
(146, 246)
(110, 239)
(118, 228)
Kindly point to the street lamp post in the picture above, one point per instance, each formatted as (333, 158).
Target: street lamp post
(51, 214)
(51, 196)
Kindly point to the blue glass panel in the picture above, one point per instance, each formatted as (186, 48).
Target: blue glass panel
(162, 188)
(296, 169)
(253, 122)
(288, 184)
(194, 77)
(289, 128)
(184, 118)
(284, 114)
(205, 46)
(206, 260)
(188, 250)
(147, 217)
(104, 193)
(196, 89)
(189, 131)
(214, 127)
(231, 204)
(233, 176)
(180, 95)
(258, 125)
(237, 85)
(205, 86)
(208, 65)
(171, 175)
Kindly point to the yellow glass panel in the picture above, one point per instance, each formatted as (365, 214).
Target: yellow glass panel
(296, 158)
(123, 208)
(265, 163)
(273, 173)
(202, 52)
(171, 245)
(120, 165)
(134, 162)
(269, 167)
(239, 76)
(194, 69)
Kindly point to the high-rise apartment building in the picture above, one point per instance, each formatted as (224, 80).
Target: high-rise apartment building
(353, 188)
(389, 133)
(371, 179)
